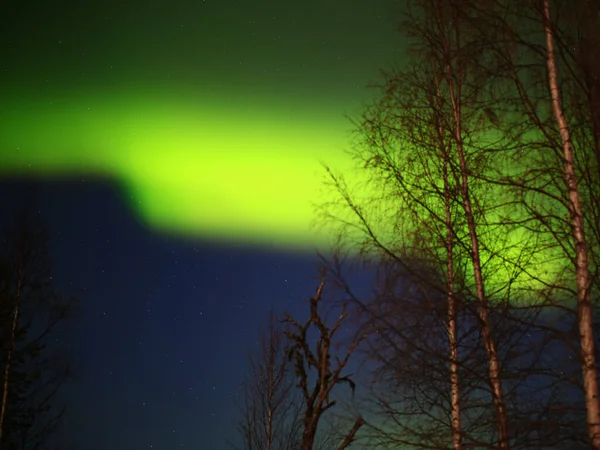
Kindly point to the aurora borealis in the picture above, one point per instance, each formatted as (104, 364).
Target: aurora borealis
(242, 171)
(219, 133)
(158, 134)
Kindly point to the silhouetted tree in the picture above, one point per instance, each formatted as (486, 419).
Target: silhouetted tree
(271, 406)
(319, 362)
(33, 370)
(471, 196)
(544, 51)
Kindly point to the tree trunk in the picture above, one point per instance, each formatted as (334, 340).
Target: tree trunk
(490, 346)
(454, 390)
(582, 274)
(310, 432)
(270, 392)
(486, 332)
(452, 340)
(9, 355)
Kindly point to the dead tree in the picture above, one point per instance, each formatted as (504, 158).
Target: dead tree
(319, 363)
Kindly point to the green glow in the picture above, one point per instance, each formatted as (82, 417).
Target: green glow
(233, 168)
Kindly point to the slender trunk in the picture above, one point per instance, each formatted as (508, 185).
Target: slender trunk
(269, 426)
(270, 395)
(454, 391)
(582, 275)
(486, 332)
(490, 346)
(452, 340)
(9, 355)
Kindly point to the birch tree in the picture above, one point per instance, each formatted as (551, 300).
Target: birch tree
(503, 249)
(437, 154)
(558, 179)
(582, 272)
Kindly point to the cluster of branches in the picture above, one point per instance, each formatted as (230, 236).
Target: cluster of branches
(33, 370)
(290, 384)
(481, 214)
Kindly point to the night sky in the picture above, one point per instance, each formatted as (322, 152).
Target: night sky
(166, 318)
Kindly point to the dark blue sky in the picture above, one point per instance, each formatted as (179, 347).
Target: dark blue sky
(161, 337)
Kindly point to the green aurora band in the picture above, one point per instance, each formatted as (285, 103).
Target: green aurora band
(232, 168)
(235, 168)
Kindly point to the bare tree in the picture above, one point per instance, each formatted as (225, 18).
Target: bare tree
(319, 363)
(271, 407)
(582, 273)
(31, 312)
(409, 404)
(557, 180)
(506, 224)
(423, 157)
(411, 396)
(21, 257)
(453, 65)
